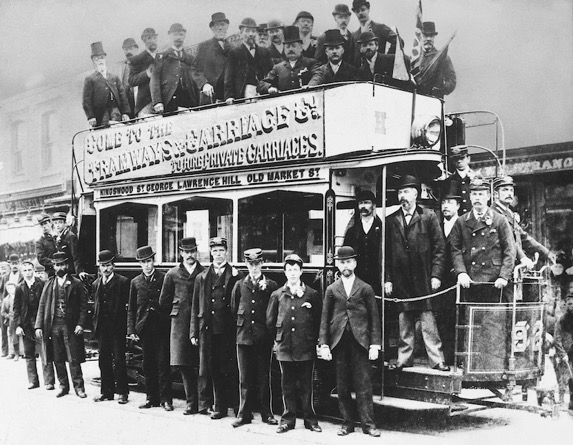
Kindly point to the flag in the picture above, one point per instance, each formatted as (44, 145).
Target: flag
(399, 72)
(417, 49)
(429, 71)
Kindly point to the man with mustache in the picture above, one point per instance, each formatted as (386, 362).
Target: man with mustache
(130, 49)
(275, 31)
(140, 70)
(305, 22)
(336, 69)
(46, 245)
(341, 16)
(414, 268)
(463, 175)
(375, 66)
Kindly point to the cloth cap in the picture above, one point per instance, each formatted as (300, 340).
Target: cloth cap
(429, 28)
(253, 255)
(59, 258)
(459, 151)
(218, 17)
(105, 256)
(59, 215)
(345, 253)
(500, 182)
(218, 241)
(293, 258)
(478, 183)
(188, 243)
(97, 49)
(44, 217)
(144, 253)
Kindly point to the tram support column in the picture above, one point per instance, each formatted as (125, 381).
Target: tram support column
(382, 257)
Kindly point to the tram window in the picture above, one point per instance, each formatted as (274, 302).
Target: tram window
(125, 227)
(281, 223)
(201, 218)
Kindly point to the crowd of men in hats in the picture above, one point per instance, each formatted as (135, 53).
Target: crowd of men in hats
(266, 59)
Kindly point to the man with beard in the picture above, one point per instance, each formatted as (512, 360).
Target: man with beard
(336, 69)
(373, 65)
(248, 64)
(350, 331)
(176, 300)
(46, 245)
(275, 31)
(294, 73)
(104, 98)
(130, 49)
(304, 22)
(463, 175)
(67, 241)
(263, 38)
(140, 70)
(385, 36)
(176, 82)
(212, 54)
(414, 268)
(341, 16)
(443, 78)
(26, 302)
(62, 315)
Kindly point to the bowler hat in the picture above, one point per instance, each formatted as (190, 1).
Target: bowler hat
(97, 49)
(248, 23)
(218, 17)
(189, 244)
(14, 258)
(304, 15)
(429, 29)
(358, 3)
(366, 37)
(459, 151)
(144, 253)
(253, 255)
(176, 27)
(365, 195)
(345, 253)
(59, 215)
(44, 217)
(451, 190)
(500, 182)
(59, 258)
(273, 24)
(218, 241)
(293, 258)
(292, 34)
(478, 183)
(332, 37)
(128, 43)
(105, 256)
(148, 32)
(408, 181)
(341, 9)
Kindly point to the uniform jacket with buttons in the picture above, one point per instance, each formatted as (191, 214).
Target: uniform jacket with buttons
(96, 94)
(284, 77)
(465, 203)
(45, 249)
(359, 309)
(249, 307)
(118, 295)
(294, 322)
(26, 303)
(143, 298)
(485, 250)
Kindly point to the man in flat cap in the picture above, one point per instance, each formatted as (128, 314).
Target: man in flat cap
(213, 329)
(341, 16)
(62, 316)
(385, 36)
(176, 81)
(249, 301)
(104, 98)
(130, 49)
(350, 332)
(293, 317)
(305, 22)
(415, 250)
(212, 54)
(146, 322)
(463, 174)
(275, 31)
(295, 72)
(141, 67)
(336, 69)
(111, 293)
(46, 245)
(248, 64)
(67, 241)
(176, 300)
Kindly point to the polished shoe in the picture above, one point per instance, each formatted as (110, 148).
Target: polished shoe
(122, 399)
(314, 427)
(50, 387)
(204, 411)
(284, 428)
(81, 393)
(167, 406)
(398, 366)
(216, 415)
(441, 367)
(372, 432)
(3, 355)
(270, 420)
(345, 431)
(190, 410)
(62, 392)
(10, 357)
(33, 385)
(102, 398)
(240, 421)
(148, 404)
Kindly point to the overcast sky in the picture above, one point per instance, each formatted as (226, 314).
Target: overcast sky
(511, 56)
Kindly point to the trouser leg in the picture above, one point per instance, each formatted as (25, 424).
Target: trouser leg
(342, 357)
(105, 362)
(162, 362)
(205, 389)
(431, 338)
(30, 353)
(189, 377)
(77, 375)
(246, 355)
(305, 383)
(4, 330)
(62, 374)
(119, 366)
(407, 324)
(150, 365)
(47, 366)
(289, 371)
(263, 354)
(362, 382)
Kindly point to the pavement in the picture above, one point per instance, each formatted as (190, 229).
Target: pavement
(37, 415)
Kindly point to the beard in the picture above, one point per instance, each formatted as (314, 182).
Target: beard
(61, 273)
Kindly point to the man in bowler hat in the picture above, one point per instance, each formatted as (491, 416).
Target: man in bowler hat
(146, 322)
(130, 49)
(386, 38)
(275, 31)
(336, 69)
(375, 66)
(350, 332)
(462, 174)
(67, 241)
(341, 15)
(304, 22)
(141, 67)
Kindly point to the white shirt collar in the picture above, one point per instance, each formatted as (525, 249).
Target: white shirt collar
(367, 225)
(449, 224)
(61, 280)
(152, 54)
(366, 26)
(348, 282)
(335, 68)
(190, 269)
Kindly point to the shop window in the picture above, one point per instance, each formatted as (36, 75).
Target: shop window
(18, 140)
(125, 227)
(49, 130)
(197, 217)
(281, 223)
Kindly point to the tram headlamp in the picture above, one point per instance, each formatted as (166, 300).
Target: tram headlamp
(426, 131)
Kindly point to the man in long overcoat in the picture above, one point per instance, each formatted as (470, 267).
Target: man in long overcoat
(415, 249)
(62, 315)
(175, 299)
(141, 67)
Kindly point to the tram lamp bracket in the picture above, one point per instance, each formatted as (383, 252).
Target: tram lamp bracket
(426, 131)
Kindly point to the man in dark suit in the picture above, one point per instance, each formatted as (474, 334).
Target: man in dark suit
(341, 16)
(212, 54)
(275, 31)
(46, 245)
(463, 174)
(336, 69)
(13, 276)
(104, 98)
(249, 301)
(26, 302)
(294, 73)
(130, 49)
(111, 292)
(213, 329)
(293, 316)
(248, 63)
(67, 241)
(176, 82)
(146, 321)
(305, 22)
(176, 300)
(414, 267)
(62, 315)
(386, 37)
(350, 331)
(140, 70)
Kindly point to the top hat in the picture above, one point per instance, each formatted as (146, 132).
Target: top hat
(59, 215)
(358, 3)
(341, 9)
(128, 43)
(459, 151)
(59, 258)
(148, 32)
(248, 23)
(293, 258)
(97, 49)
(144, 253)
(189, 244)
(218, 17)
(345, 253)
(292, 34)
(218, 241)
(273, 24)
(478, 183)
(14, 258)
(408, 181)
(429, 28)
(332, 37)
(500, 182)
(365, 195)
(176, 27)
(367, 36)
(105, 256)
(304, 15)
(44, 217)
(253, 255)
(451, 190)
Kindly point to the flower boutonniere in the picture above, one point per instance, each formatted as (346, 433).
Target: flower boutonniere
(307, 305)
(235, 272)
(488, 220)
(299, 291)
(263, 283)
(302, 71)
